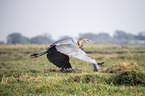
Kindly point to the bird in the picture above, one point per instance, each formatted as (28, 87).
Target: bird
(58, 53)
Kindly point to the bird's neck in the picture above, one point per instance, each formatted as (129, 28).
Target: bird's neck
(80, 42)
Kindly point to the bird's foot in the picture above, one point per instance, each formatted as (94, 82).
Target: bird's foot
(100, 63)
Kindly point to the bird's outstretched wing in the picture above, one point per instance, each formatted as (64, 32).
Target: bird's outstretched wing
(63, 41)
(58, 59)
(74, 51)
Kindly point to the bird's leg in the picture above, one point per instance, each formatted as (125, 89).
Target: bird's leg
(96, 67)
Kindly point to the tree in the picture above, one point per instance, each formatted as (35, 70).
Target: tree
(103, 35)
(123, 35)
(65, 37)
(17, 38)
(41, 39)
(141, 36)
(90, 36)
(2, 42)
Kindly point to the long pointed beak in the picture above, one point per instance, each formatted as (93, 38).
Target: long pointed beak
(90, 41)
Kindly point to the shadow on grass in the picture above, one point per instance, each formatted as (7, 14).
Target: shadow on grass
(76, 70)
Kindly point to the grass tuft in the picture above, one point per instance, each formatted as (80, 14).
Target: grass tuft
(121, 67)
(130, 77)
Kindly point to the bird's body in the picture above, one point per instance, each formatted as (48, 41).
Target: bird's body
(58, 59)
(58, 53)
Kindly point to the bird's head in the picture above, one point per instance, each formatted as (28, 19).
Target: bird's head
(87, 40)
(84, 40)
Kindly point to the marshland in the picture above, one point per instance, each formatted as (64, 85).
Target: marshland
(123, 72)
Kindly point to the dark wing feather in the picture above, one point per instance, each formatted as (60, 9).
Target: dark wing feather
(58, 59)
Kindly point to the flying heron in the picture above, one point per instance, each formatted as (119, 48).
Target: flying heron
(58, 53)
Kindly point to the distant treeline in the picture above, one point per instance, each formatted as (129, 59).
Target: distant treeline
(119, 38)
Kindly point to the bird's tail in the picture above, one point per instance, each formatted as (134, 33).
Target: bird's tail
(37, 54)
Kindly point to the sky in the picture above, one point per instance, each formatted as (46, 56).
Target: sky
(70, 17)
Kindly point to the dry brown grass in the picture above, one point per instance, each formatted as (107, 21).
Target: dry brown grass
(122, 66)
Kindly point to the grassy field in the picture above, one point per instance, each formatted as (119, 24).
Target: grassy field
(122, 74)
